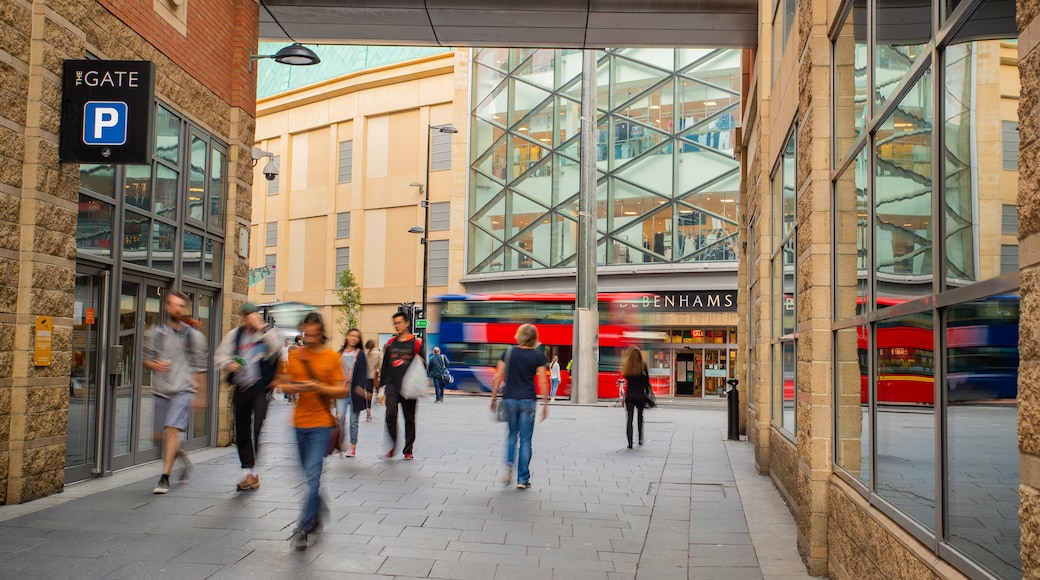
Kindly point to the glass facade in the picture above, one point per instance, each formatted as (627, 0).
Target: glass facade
(667, 177)
(926, 320)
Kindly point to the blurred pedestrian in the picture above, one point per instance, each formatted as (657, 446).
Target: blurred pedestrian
(315, 375)
(637, 379)
(397, 356)
(250, 354)
(374, 356)
(554, 377)
(355, 368)
(436, 368)
(521, 377)
(176, 354)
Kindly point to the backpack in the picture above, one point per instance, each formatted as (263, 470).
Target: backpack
(268, 365)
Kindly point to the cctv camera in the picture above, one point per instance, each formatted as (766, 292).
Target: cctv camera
(271, 170)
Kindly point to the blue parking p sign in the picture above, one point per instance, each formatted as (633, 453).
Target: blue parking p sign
(104, 123)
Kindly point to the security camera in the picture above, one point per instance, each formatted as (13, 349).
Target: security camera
(271, 170)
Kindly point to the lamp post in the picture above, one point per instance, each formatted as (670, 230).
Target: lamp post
(424, 190)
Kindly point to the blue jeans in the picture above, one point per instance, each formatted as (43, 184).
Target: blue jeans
(312, 445)
(438, 389)
(342, 406)
(520, 417)
(555, 385)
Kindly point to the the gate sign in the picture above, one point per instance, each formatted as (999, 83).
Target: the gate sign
(106, 111)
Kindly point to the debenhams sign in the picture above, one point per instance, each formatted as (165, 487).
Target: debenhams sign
(693, 301)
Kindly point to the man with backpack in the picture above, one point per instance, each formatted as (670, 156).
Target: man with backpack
(437, 369)
(397, 356)
(250, 354)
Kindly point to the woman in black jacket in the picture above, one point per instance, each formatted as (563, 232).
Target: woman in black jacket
(355, 367)
(633, 369)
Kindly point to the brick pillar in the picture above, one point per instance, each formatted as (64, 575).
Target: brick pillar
(1029, 262)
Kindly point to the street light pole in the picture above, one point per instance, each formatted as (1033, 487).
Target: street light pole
(424, 190)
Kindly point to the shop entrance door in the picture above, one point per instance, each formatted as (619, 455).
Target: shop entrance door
(140, 305)
(689, 365)
(87, 377)
(201, 305)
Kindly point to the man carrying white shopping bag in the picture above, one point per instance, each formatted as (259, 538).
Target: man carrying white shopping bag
(402, 384)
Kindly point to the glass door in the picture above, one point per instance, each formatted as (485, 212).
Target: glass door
(87, 378)
(201, 303)
(132, 441)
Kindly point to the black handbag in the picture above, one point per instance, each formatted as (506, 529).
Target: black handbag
(651, 400)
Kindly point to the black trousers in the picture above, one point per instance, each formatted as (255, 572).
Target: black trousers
(250, 412)
(392, 399)
(630, 406)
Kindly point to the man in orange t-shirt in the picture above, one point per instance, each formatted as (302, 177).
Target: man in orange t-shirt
(314, 374)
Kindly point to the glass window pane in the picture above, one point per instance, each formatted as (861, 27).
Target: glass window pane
(139, 186)
(164, 237)
(525, 98)
(94, 227)
(191, 260)
(903, 198)
(197, 178)
(790, 385)
(217, 189)
(851, 398)
(905, 385)
(852, 217)
(789, 285)
(100, 179)
(166, 193)
(982, 467)
(213, 265)
(789, 186)
(850, 69)
(903, 29)
(135, 238)
(167, 136)
(977, 182)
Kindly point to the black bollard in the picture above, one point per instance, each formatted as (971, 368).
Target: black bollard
(733, 410)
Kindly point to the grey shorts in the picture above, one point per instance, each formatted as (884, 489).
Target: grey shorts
(173, 412)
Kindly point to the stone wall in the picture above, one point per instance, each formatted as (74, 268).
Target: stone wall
(1029, 262)
(38, 209)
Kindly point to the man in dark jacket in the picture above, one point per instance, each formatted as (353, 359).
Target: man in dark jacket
(436, 369)
(397, 356)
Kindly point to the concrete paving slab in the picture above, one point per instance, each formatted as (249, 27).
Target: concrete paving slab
(688, 504)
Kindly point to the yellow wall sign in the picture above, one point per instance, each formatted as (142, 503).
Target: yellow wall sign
(42, 356)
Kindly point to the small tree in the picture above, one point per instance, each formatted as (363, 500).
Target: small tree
(349, 294)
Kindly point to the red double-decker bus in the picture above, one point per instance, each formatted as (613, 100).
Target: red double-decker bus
(475, 329)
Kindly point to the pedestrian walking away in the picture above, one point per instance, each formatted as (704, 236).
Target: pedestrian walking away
(355, 369)
(375, 360)
(554, 377)
(633, 369)
(313, 373)
(520, 377)
(397, 356)
(176, 354)
(437, 369)
(250, 355)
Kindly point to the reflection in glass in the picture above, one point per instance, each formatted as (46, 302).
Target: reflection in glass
(100, 179)
(136, 232)
(903, 29)
(790, 385)
(903, 197)
(214, 264)
(124, 391)
(217, 188)
(850, 70)
(164, 237)
(165, 192)
(146, 404)
(904, 390)
(852, 219)
(94, 227)
(982, 465)
(81, 441)
(196, 178)
(979, 173)
(138, 186)
(191, 258)
(787, 208)
(790, 283)
(167, 135)
(851, 400)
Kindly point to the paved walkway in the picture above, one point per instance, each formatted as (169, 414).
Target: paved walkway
(688, 504)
